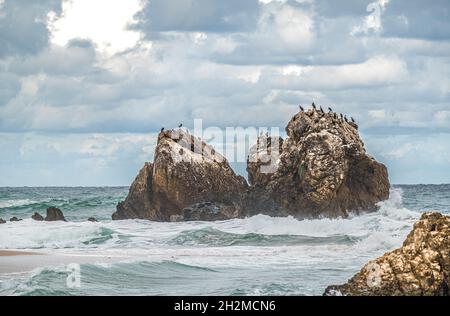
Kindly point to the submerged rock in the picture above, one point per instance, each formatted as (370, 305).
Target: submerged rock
(320, 169)
(420, 267)
(2, 221)
(54, 214)
(15, 219)
(92, 220)
(37, 217)
(186, 171)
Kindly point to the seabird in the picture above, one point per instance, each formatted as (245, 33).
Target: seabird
(314, 106)
(162, 129)
(180, 126)
(345, 118)
(330, 109)
(335, 116)
(342, 117)
(353, 120)
(301, 108)
(321, 110)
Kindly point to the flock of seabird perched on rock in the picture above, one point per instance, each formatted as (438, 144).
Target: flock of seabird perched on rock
(321, 111)
(341, 117)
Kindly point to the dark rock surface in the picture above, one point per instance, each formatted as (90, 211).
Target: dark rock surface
(420, 267)
(37, 217)
(186, 171)
(92, 220)
(15, 219)
(320, 170)
(2, 221)
(54, 214)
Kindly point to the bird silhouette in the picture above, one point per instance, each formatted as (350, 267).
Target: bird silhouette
(321, 110)
(314, 106)
(162, 129)
(301, 108)
(330, 109)
(353, 120)
(342, 117)
(180, 126)
(345, 118)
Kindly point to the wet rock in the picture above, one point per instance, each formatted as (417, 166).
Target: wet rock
(37, 217)
(2, 221)
(54, 214)
(420, 267)
(320, 170)
(92, 219)
(186, 171)
(15, 219)
(208, 211)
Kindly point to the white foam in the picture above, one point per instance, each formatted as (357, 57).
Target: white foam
(14, 203)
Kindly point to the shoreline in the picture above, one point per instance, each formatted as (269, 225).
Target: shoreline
(15, 253)
(18, 261)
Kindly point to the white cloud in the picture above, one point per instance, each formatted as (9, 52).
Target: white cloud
(104, 22)
(372, 22)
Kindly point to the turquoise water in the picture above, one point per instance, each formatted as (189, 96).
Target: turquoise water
(253, 256)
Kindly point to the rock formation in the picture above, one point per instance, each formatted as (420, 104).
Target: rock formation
(15, 219)
(320, 169)
(54, 214)
(92, 220)
(420, 267)
(37, 217)
(186, 171)
(2, 221)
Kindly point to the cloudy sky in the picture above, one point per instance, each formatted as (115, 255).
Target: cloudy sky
(87, 84)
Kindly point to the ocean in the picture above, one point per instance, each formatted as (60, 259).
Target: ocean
(260, 255)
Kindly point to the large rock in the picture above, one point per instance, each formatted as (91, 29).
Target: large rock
(15, 219)
(320, 169)
(54, 214)
(2, 221)
(186, 172)
(420, 267)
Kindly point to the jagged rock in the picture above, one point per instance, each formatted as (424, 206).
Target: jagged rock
(37, 217)
(92, 219)
(420, 267)
(54, 214)
(15, 219)
(186, 171)
(2, 221)
(208, 211)
(321, 169)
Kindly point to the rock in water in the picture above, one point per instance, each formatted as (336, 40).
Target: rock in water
(92, 220)
(54, 214)
(15, 219)
(37, 217)
(321, 169)
(186, 171)
(2, 221)
(420, 267)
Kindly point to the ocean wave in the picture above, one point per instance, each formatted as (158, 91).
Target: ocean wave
(32, 235)
(16, 203)
(212, 237)
(132, 278)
